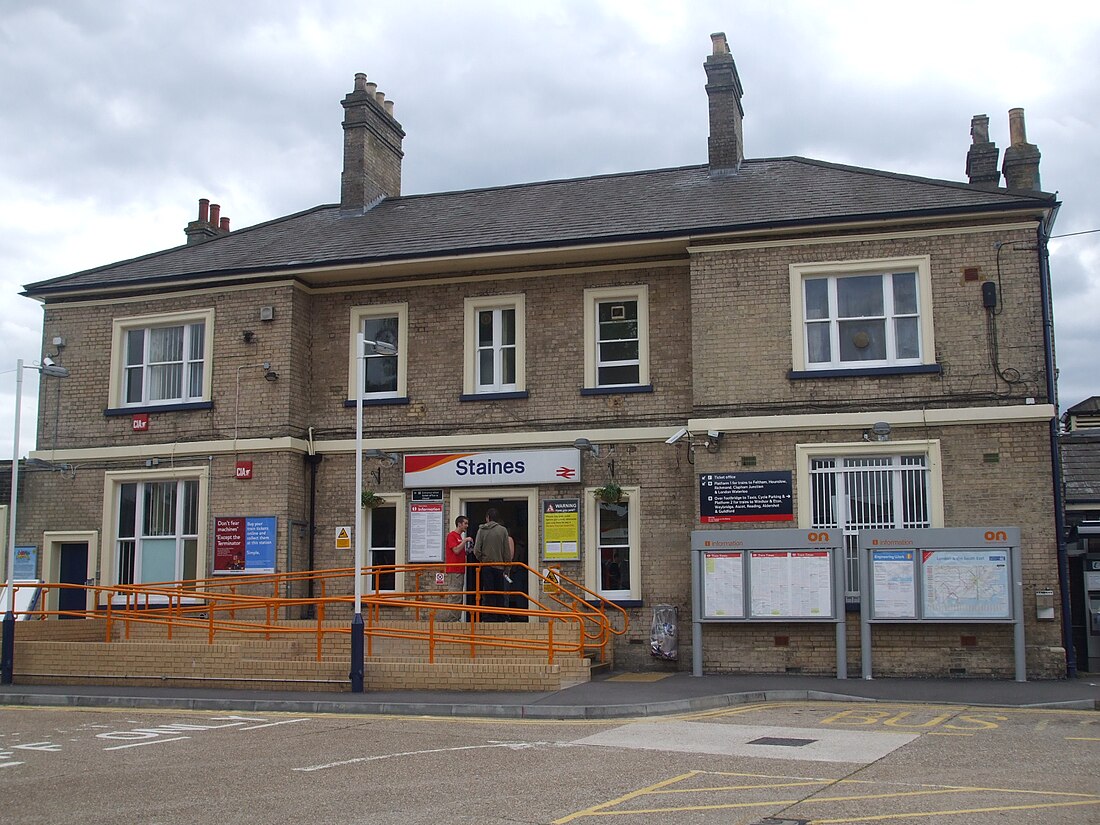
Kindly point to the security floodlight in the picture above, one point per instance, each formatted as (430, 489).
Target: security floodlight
(583, 444)
(676, 436)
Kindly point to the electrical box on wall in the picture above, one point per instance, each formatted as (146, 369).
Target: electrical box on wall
(989, 295)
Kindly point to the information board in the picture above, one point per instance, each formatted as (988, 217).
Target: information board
(736, 497)
(723, 584)
(426, 531)
(791, 584)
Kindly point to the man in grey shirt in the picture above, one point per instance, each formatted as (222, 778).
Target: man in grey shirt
(491, 547)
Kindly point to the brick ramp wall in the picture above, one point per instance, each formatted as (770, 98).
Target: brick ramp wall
(56, 653)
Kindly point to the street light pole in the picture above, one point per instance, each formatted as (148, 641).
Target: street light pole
(356, 674)
(379, 348)
(7, 635)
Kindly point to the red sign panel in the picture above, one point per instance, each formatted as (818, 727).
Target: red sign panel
(140, 422)
(244, 469)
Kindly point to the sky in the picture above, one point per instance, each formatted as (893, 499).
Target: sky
(117, 117)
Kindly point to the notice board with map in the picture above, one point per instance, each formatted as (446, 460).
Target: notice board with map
(939, 575)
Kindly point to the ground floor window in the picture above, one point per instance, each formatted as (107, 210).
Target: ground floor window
(873, 490)
(157, 535)
(612, 547)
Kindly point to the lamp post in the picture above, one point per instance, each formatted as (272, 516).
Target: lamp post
(379, 348)
(7, 642)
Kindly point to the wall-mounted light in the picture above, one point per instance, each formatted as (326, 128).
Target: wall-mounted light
(584, 445)
(880, 431)
(269, 373)
(676, 436)
(389, 458)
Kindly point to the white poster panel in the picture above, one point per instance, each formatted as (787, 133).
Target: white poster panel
(723, 585)
(426, 526)
(894, 584)
(493, 469)
(966, 585)
(791, 584)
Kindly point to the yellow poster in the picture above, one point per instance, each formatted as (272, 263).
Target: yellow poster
(561, 529)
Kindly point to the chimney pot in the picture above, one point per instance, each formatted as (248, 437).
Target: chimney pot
(215, 213)
(388, 106)
(204, 210)
(224, 225)
(981, 158)
(380, 97)
(371, 89)
(1017, 131)
(360, 82)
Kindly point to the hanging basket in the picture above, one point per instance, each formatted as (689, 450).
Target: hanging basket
(610, 493)
(372, 499)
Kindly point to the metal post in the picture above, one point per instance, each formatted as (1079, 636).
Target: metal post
(696, 614)
(7, 643)
(357, 660)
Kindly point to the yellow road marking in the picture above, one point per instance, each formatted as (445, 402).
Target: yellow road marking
(595, 809)
(1083, 738)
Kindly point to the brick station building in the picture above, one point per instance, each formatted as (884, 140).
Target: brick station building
(780, 310)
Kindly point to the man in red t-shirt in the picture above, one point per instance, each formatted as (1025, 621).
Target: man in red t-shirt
(454, 557)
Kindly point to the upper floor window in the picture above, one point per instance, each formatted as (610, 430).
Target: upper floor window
(616, 337)
(495, 333)
(162, 359)
(863, 314)
(383, 374)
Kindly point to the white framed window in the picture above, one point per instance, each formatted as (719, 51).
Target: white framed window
(613, 562)
(157, 524)
(495, 333)
(616, 337)
(162, 359)
(853, 487)
(383, 375)
(862, 314)
(385, 529)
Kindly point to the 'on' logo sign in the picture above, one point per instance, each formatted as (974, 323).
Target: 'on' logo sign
(996, 535)
(818, 536)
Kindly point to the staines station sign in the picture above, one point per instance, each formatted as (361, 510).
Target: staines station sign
(493, 469)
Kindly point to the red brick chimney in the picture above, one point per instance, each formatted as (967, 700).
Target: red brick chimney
(372, 147)
(202, 229)
(726, 145)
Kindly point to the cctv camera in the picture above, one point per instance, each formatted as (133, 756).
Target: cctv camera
(676, 436)
(714, 434)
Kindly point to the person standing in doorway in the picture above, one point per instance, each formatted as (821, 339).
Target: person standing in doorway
(454, 569)
(492, 548)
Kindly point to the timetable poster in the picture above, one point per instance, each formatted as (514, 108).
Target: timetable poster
(791, 584)
(724, 585)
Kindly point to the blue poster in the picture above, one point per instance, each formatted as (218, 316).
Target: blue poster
(259, 544)
(26, 564)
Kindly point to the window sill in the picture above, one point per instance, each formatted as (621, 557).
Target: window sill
(379, 402)
(159, 408)
(862, 372)
(492, 396)
(616, 390)
(619, 602)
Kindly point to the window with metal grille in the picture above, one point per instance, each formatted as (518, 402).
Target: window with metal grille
(868, 492)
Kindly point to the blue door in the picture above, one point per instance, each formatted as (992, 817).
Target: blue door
(74, 571)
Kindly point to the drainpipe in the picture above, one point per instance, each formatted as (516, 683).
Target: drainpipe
(1055, 448)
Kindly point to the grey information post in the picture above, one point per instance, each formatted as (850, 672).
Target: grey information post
(942, 575)
(782, 575)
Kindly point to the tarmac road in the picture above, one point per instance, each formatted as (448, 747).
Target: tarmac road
(812, 761)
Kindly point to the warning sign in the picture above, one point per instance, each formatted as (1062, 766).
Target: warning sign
(343, 538)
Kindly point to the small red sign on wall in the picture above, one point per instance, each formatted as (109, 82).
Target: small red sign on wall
(140, 422)
(244, 469)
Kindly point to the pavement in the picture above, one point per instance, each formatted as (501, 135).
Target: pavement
(616, 695)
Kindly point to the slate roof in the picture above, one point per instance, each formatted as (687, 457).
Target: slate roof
(1081, 465)
(764, 193)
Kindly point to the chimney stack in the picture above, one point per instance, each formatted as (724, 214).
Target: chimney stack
(726, 145)
(981, 159)
(1021, 163)
(372, 148)
(210, 223)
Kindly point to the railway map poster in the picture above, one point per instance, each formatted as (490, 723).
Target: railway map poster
(723, 584)
(791, 584)
(966, 585)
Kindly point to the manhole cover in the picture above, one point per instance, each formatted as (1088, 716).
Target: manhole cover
(786, 743)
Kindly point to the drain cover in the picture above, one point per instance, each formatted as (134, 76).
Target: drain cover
(786, 743)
